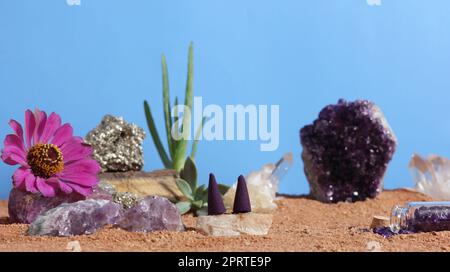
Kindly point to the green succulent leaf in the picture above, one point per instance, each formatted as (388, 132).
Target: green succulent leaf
(198, 204)
(185, 188)
(223, 189)
(203, 211)
(157, 141)
(183, 207)
(189, 173)
(202, 193)
(200, 189)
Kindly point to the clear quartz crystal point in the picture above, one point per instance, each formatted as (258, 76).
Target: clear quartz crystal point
(262, 185)
(281, 168)
(431, 176)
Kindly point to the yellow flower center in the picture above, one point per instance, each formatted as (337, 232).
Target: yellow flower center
(45, 160)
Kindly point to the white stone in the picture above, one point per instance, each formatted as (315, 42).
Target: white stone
(235, 224)
(73, 246)
(432, 176)
(374, 246)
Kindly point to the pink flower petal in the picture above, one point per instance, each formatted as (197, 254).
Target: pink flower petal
(53, 123)
(85, 191)
(17, 128)
(14, 151)
(14, 140)
(8, 160)
(13, 159)
(45, 189)
(62, 135)
(41, 120)
(83, 179)
(20, 175)
(87, 165)
(75, 149)
(30, 184)
(61, 184)
(30, 126)
(13, 155)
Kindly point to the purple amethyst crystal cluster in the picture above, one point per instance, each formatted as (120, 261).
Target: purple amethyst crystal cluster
(82, 217)
(153, 213)
(346, 151)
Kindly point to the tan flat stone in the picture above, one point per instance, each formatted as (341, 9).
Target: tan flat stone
(159, 182)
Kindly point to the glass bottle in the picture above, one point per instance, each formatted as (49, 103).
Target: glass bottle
(421, 217)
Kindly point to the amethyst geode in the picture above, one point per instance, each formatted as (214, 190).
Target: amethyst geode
(346, 151)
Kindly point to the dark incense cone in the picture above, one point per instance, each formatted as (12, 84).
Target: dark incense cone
(215, 202)
(241, 199)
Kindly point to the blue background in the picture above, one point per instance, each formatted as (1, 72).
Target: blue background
(104, 57)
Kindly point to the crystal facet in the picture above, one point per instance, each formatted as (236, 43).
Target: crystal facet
(432, 176)
(153, 213)
(117, 145)
(346, 151)
(82, 217)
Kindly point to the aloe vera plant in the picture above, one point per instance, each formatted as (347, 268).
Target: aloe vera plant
(177, 148)
(176, 157)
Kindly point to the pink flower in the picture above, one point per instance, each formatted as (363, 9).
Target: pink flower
(51, 159)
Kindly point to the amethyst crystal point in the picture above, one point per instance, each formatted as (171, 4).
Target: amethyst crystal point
(153, 213)
(346, 151)
(241, 199)
(82, 217)
(215, 202)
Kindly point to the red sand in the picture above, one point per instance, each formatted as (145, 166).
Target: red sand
(300, 224)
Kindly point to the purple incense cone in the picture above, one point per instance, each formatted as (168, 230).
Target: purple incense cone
(241, 199)
(215, 202)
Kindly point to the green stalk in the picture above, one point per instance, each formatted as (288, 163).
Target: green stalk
(175, 121)
(151, 126)
(196, 139)
(180, 152)
(166, 103)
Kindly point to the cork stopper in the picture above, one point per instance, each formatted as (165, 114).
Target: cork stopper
(215, 202)
(379, 221)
